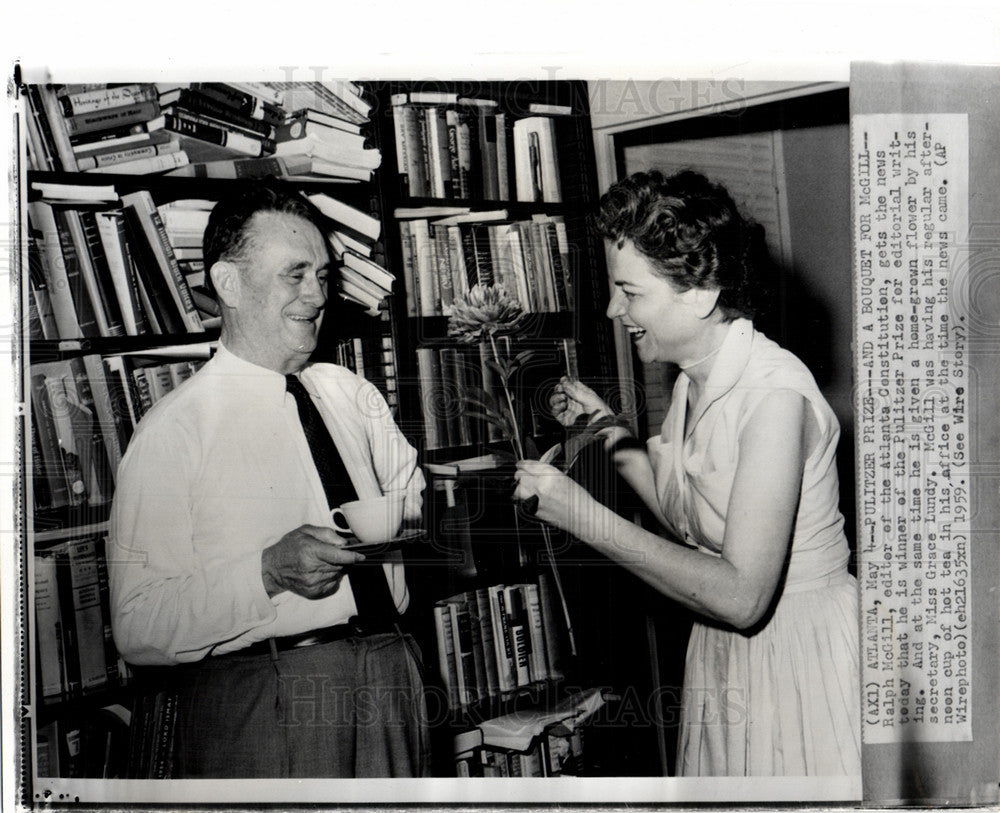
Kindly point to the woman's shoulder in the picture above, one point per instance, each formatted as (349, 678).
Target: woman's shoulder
(774, 366)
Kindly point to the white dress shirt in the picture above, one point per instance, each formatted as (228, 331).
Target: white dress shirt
(219, 470)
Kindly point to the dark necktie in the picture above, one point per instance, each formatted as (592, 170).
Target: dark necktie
(371, 591)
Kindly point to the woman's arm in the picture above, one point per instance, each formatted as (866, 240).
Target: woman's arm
(737, 587)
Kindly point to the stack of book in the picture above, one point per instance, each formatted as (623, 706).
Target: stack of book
(352, 237)
(495, 640)
(449, 146)
(203, 129)
(76, 653)
(99, 128)
(444, 257)
(103, 266)
(84, 411)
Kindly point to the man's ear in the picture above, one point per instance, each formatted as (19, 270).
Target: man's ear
(701, 300)
(226, 279)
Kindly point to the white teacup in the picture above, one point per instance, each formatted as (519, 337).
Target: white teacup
(372, 521)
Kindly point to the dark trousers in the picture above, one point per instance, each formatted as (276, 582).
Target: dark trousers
(351, 708)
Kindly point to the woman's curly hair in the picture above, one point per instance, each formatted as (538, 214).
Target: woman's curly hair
(691, 230)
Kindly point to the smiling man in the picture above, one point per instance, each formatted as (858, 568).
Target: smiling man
(228, 583)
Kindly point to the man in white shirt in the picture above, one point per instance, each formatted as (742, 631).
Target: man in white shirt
(223, 562)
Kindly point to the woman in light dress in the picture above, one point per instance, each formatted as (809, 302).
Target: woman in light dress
(743, 478)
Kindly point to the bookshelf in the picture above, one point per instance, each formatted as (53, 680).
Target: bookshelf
(458, 210)
(534, 239)
(117, 316)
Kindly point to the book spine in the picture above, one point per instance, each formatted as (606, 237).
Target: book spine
(461, 629)
(102, 273)
(57, 128)
(49, 465)
(476, 644)
(47, 625)
(409, 269)
(126, 155)
(536, 661)
(446, 653)
(503, 157)
(89, 618)
(92, 101)
(111, 658)
(425, 267)
(202, 103)
(501, 639)
(90, 439)
(442, 267)
(429, 371)
(53, 266)
(104, 408)
(74, 241)
(482, 605)
(240, 101)
(100, 120)
(214, 135)
(80, 285)
(67, 604)
(146, 166)
(488, 154)
(517, 627)
(46, 153)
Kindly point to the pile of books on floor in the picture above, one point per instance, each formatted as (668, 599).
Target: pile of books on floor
(203, 129)
(495, 640)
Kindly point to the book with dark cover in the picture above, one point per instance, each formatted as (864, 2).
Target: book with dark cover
(102, 273)
(110, 119)
(150, 278)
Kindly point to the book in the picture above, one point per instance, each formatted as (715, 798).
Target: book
(517, 629)
(106, 119)
(111, 229)
(119, 156)
(537, 664)
(339, 150)
(110, 96)
(447, 665)
(203, 103)
(48, 625)
(536, 160)
(213, 134)
(506, 674)
(280, 166)
(60, 285)
(89, 617)
(55, 128)
(251, 105)
(148, 165)
(347, 215)
(463, 652)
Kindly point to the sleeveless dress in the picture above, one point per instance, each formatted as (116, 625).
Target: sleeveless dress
(782, 699)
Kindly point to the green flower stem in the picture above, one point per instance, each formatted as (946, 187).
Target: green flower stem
(518, 448)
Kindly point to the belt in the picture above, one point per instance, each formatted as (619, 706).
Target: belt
(355, 628)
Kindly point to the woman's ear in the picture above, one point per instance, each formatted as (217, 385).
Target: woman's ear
(226, 279)
(702, 300)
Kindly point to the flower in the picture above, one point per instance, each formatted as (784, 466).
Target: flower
(485, 311)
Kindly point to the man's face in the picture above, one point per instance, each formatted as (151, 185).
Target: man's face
(282, 292)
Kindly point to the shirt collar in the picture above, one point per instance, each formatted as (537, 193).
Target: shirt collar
(267, 384)
(726, 371)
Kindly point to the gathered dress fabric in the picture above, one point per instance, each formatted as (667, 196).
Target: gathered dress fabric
(782, 698)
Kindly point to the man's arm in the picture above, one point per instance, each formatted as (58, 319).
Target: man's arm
(167, 605)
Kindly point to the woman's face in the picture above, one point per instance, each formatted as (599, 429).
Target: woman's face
(662, 321)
